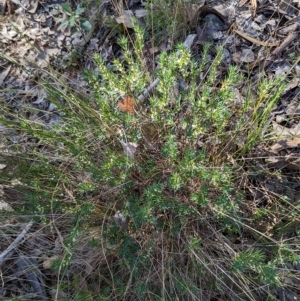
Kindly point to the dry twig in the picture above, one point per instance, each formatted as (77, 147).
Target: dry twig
(10, 250)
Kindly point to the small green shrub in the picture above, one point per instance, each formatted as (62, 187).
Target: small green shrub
(165, 162)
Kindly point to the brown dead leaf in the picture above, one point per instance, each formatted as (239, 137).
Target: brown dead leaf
(284, 144)
(126, 105)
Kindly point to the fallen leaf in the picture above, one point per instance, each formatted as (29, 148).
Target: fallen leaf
(285, 143)
(33, 6)
(129, 148)
(120, 220)
(139, 13)
(284, 131)
(126, 18)
(288, 161)
(247, 56)
(236, 56)
(126, 105)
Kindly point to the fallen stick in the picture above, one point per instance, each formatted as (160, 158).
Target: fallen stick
(14, 244)
(287, 41)
(33, 275)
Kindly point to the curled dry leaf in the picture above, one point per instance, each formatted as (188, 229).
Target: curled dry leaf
(126, 105)
(129, 148)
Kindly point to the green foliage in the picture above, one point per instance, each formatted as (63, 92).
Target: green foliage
(254, 261)
(74, 19)
(177, 191)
